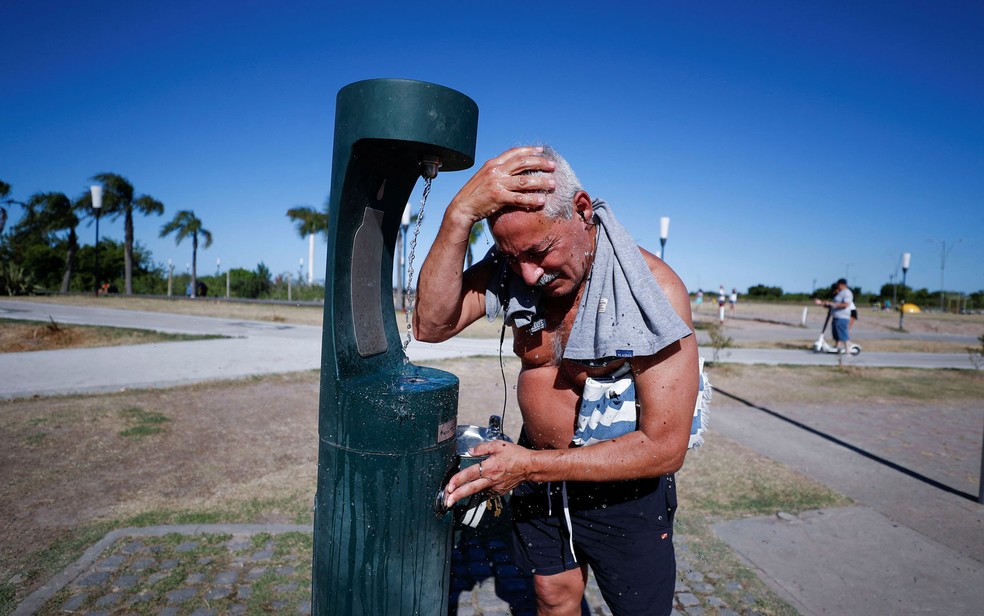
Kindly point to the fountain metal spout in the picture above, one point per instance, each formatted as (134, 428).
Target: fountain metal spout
(429, 166)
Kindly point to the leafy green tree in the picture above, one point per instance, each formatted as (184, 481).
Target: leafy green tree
(897, 290)
(14, 280)
(186, 224)
(251, 285)
(764, 292)
(44, 242)
(976, 299)
(119, 200)
(148, 277)
(55, 214)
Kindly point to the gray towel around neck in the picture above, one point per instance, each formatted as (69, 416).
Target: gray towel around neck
(623, 312)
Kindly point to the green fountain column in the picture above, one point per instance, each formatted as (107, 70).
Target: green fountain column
(386, 427)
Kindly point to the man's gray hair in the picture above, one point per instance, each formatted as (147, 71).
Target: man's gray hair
(560, 203)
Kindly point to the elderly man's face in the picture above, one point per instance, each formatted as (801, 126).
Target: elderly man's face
(553, 254)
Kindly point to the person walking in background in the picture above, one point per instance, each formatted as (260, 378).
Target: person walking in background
(733, 300)
(699, 299)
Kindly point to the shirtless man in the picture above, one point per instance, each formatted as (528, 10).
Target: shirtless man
(609, 504)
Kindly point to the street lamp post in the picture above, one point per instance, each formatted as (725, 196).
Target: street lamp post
(97, 201)
(906, 257)
(944, 253)
(664, 232)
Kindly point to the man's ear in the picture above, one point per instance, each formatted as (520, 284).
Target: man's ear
(582, 207)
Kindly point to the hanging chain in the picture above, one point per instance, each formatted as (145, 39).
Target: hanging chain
(413, 246)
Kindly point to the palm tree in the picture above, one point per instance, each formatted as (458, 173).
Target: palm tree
(118, 198)
(187, 224)
(5, 200)
(309, 220)
(52, 213)
(309, 223)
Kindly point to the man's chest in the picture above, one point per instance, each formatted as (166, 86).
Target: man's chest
(543, 351)
(542, 342)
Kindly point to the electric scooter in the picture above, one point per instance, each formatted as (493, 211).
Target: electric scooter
(821, 346)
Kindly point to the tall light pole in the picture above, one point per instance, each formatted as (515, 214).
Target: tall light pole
(97, 203)
(944, 253)
(906, 257)
(664, 232)
(893, 279)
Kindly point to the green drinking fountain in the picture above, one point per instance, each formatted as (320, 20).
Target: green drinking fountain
(386, 427)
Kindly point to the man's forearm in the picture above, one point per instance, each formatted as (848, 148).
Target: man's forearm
(632, 456)
(440, 288)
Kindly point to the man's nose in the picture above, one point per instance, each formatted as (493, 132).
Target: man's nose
(531, 272)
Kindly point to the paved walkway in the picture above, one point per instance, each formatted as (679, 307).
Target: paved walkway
(254, 347)
(907, 547)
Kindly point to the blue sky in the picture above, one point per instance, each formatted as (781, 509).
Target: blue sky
(788, 142)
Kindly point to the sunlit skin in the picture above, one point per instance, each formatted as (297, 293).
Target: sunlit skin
(558, 253)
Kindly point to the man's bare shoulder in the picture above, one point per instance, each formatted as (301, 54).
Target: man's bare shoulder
(670, 282)
(663, 273)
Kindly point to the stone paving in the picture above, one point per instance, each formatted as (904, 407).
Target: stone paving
(229, 569)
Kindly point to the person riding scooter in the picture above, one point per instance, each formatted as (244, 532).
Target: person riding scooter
(840, 314)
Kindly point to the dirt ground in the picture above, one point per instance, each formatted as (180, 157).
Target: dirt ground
(247, 450)
(69, 462)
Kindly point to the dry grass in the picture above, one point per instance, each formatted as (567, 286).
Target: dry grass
(849, 386)
(876, 320)
(300, 314)
(246, 451)
(24, 336)
(870, 345)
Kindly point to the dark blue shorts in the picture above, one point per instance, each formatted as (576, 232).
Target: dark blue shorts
(840, 330)
(623, 530)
